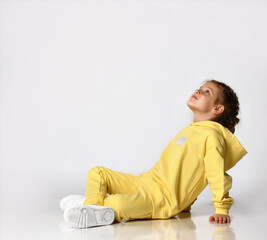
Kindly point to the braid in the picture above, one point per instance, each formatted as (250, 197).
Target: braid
(231, 106)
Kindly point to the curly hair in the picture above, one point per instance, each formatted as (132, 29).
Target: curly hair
(229, 99)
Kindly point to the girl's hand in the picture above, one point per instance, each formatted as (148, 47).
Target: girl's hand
(219, 218)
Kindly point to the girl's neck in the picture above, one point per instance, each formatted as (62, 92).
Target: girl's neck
(200, 118)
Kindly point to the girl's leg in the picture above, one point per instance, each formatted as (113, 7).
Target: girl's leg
(127, 200)
(101, 181)
(126, 206)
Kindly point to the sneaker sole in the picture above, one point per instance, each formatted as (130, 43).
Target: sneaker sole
(88, 216)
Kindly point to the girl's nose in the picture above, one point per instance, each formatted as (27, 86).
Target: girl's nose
(197, 92)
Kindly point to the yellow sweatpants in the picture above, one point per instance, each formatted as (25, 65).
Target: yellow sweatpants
(126, 195)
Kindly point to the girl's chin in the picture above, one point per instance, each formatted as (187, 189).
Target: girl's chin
(190, 105)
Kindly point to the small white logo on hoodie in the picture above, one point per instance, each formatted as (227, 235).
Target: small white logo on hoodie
(181, 141)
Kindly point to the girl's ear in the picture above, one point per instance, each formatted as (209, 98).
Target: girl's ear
(218, 109)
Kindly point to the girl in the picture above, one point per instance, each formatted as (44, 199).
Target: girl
(199, 155)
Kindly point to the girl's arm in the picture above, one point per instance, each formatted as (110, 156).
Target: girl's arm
(219, 181)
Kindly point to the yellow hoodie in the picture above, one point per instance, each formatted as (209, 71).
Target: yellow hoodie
(199, 155)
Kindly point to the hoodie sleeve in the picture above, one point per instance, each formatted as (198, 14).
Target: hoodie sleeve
(219, 181)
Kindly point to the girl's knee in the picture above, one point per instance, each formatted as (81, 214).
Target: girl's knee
(96, 170)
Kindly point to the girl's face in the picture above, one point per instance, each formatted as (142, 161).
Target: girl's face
(203, 100)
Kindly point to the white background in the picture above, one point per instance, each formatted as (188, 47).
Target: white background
(105, 83)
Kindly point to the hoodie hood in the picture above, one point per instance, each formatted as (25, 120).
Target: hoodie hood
(234, 151)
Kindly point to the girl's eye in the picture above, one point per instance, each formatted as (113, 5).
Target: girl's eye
(204, 91)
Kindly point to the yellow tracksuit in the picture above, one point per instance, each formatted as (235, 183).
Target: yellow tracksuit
(199, 155)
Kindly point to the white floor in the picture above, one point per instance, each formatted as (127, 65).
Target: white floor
(245, 225)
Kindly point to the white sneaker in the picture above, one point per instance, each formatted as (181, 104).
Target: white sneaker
(71, 199)
(88, 216)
